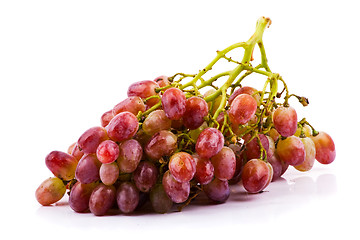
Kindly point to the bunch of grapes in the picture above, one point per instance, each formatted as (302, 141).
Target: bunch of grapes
(167, 142)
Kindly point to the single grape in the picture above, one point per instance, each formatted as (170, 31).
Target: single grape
(107, 151)
(325, 148)
(77, 153)
(160, 201)
(253, 149)
(182, 166)
(224, 163)
(178, 192)
(272, 149)
(91, 138)
(162, 81)
(217, 190)
(204, 169)
(145, 176)
(291, 150)
(162, 143)
(130, 155)
(131, 104)
(127, 197)
(245, 90)
(144, 89)
(102, 199)
(122, 127)
(196, 110)
(109, 173)
(50, 191)
(285, 121)
(279, 166)
(242, 109)
(106, 118)
(256, 175)
(61, 164)
(209, 143)
(87, 170)
(273, 133)
(174, 103)
(155, 122)
(80, 196)
(213, 105)
(310, 152)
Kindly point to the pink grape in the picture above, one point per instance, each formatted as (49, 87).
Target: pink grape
(285, 121)
(162, 143)
(107, 151)
(178, 192)
(102, 199)
(196, 110)
(130, 154)
(122, 127)
(253, 149)
(127, 197)
(155, 122)
(160, 201)
(279, 166)
(91, 138)
(224, 163)
(217, 190)
(242, 109)
(80, 196)
(145, 176)
(109, 173)
(162, 81)
(291, 150)
(204, 170)
(245, 90)
(209, 143)
(256, 175)
(106, 118)
(310, 152)
(174, 103)
(182, 166)
(61, 164)
(87, 170)
(325, 148)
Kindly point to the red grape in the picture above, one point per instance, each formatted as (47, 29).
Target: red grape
(174, 103)
(144, 89)
(209, 143)
(71, 148)
(145, 176)
(224, 163)
(162, 143)
(50, 191)
(102, 199)
(131, 104)
(291, 150)
(107, 151)
(127, 197)
(61, 164)
(256, 175)
(155, 122)
(213, 105)
(122, 127)
(91, 138)
(182, 166)
(285, 121)
(239, 154)
(87, 170)
(160, 201)
(204, 170)
(130, 155)
(77, 153)
(196, 110)
(279, 166)
(178, 192)
(242, 109)
(217, 190)
(325, 148)
(80, 196)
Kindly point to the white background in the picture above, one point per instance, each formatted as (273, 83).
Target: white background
(64, 63)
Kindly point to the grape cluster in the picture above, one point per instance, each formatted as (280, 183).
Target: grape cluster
(167, 141)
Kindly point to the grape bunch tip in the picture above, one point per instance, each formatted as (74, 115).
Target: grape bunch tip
(171, 140)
